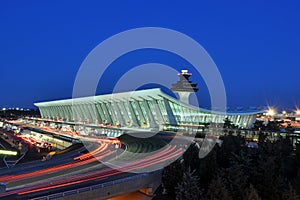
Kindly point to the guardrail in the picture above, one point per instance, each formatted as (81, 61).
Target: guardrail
(91, 188)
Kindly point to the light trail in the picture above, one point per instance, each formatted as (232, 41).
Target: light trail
(109, 172)
(101, 152)
(87, 158)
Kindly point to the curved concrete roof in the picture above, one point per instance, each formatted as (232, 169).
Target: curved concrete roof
(148, 94)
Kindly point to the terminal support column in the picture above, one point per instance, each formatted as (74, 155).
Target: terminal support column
(170, 114)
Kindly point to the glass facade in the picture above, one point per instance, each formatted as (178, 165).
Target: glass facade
(142, 109)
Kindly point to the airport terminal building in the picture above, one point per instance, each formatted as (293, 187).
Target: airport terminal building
(143, 109)
(149, 108)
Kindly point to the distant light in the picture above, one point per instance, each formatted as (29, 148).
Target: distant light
(297, 112)
(284, 112)
(3, 109)
(10, 153)
(271, 112)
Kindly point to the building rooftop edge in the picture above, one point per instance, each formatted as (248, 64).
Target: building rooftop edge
(144, 94)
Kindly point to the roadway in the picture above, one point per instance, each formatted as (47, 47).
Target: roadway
(27, 176)
(79, 169)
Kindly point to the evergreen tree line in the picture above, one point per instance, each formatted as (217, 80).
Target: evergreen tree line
(235, 171)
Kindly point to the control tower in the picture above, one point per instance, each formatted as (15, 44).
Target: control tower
(184, 87)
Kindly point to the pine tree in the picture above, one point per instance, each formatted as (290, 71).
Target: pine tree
(297, 182)
(217, 190)
(237, 181)
(171, 176)
(268, 178)
(189, 187)
(251, 194)
(208, 167)
(290, 194)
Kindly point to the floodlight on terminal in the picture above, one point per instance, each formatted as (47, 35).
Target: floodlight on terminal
(271, 112)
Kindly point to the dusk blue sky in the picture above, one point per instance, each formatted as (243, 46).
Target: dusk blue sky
(255, 44)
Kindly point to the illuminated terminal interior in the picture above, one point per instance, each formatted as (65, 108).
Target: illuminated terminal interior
(149, 108)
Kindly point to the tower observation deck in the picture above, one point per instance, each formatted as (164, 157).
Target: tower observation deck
(184, 87)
